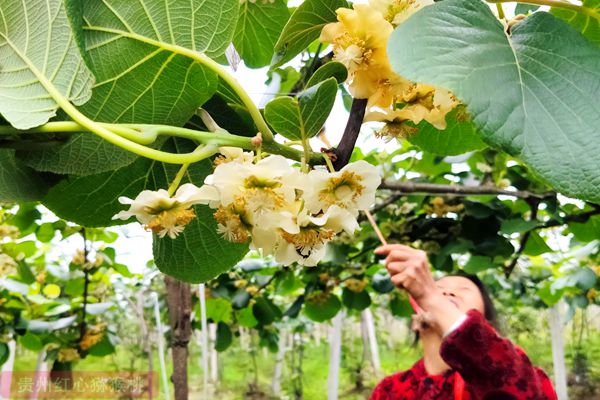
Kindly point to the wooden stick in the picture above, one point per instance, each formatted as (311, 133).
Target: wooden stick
(412, 301)
(375, 227)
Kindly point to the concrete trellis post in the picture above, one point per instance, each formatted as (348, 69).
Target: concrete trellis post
(6, 371)
(335, 357)
(558, 351)
(204, 337)
(161, 348)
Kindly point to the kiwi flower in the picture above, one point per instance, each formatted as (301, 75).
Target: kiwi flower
(163, 214)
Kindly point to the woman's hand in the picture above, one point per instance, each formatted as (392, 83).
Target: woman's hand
(409, 269)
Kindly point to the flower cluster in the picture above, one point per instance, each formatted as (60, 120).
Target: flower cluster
(268, 203)
(359, 40)
(282, 211)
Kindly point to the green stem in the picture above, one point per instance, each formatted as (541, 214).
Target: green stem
(175, 184)
(218, 139)
(306, 156)
(329, 163)
(556, 4)
(210, 63)
(500, 11)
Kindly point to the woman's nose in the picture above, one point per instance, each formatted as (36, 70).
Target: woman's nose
(448, 293)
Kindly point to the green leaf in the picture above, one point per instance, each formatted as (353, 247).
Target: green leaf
(245, 317)
(82, 154)
(40, 61)
(586, 22)
(525, 8)
(258, 28)
(219, 310)
(45, 232)
(459, 137)
(265, 311)
(224, 337)
(103, 348)
(25, 272)
(536, 245)
(283, 114)
(4, 353)
(332, 69)
(477, 264)
(31, 342)
(587, 231)
(400, 307)
(75, 287)
(199, 253)
(585, 278)
(321, 311)
(356, 300)
(533, 94)
(304, 27)
(548, 295)
(516, 225)
(144, 81)
(18, 182)
(304, 117)
(92, 200)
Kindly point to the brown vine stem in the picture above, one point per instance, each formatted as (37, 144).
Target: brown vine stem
(344, 150)
(86, 284)
(556, 4)
(534, 204)
(457, 190)
(179, 303)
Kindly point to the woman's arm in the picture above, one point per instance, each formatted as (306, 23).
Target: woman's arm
(492, 365)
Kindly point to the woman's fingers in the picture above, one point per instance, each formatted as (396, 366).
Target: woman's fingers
(404, 279)
(397, 266)
(386, 249)
(398, 255)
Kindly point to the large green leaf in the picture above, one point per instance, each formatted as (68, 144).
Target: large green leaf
(39, 62)
(200, 253)
(587, 21)
(258, 29)
(304, 117)
(92, 200)
(304, 27)
(19, 182)
(460, 136)
(138, 79)
(533, 94)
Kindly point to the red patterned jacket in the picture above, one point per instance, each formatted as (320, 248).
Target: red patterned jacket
(492, 368)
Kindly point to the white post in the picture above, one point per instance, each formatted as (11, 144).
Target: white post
(367, 318)
(276, 386)
(335, 355)
(204, 337)
(558, 351)
(6, 372)
(41, 373)
(214, 368)
(161, 348)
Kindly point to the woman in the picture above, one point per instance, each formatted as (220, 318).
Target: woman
(463, 356)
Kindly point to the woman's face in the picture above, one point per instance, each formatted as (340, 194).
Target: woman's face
(461, 292)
